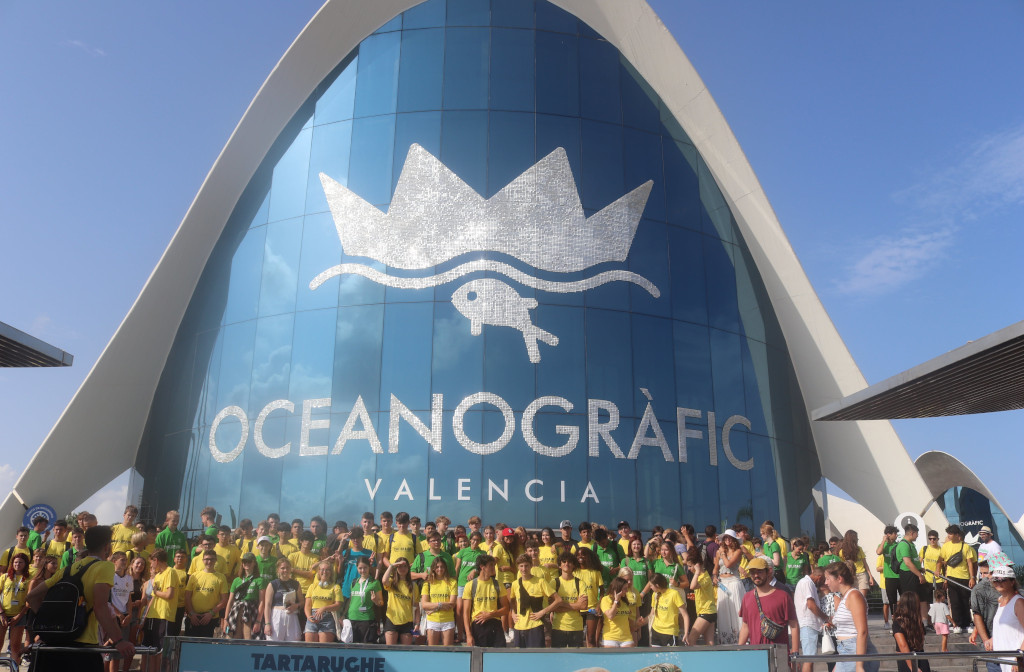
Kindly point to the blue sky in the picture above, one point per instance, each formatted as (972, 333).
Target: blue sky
(888, 137)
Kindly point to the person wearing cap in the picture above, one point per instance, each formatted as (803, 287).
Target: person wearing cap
(503, 554)
(1008, 622)
(245, 608)
(775, 604)
(568, 543)
(984, 604)
(726, 575)
(958, 561)
(266, 563)
(988, 546)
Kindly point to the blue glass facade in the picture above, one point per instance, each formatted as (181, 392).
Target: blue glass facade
(971, 510)
(279, 397)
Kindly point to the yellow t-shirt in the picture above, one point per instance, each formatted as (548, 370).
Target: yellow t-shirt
(549, 555)
(858, 562)
(880, 567)
(948, 550)
(400, 602)
(929, 556)
(485, 546)
(403, 546)
(56, 548)
(382, 543)
(161, 608)
(783, 549)
(503, 560)
(624, 547)
(102, 573)
(323, 597)
(440, 591)
(704, 597)
(14, 590)
(485, 597)
(231, 554)
(535, 587)
(182, 582)
(305, 562)
(749, 545)
(286, 548)
(6, 558)
(571, 620)
(616, 629)
(665, 607)
(197, 566)
(592, 581)
(121, 537)
(207, 589)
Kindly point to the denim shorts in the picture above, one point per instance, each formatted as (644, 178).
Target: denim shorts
(326, 625)
(848, 647)
(809, 638)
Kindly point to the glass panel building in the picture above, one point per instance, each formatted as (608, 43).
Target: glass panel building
(483, 271)
(971, 510)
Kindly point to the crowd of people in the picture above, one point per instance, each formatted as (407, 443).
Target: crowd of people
(393, 580)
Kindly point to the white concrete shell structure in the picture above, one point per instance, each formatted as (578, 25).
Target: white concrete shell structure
(99, 432)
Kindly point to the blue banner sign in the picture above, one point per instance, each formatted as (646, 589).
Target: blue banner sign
(44, 510)
(743, 660)
(222, 656)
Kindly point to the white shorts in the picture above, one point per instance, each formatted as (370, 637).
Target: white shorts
(614, 643)
(440, 627)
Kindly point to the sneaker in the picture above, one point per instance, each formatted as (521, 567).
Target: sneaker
(970, 629)
(509, 636)
(955, 630)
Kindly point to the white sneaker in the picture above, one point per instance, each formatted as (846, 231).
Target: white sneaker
(970, 629)
(509, 636)
(955, 630)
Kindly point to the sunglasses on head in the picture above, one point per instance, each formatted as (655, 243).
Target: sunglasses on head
(1001, 580)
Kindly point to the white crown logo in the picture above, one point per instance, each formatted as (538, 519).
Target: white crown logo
(537, 218)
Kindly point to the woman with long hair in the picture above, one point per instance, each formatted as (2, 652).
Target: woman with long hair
(14, 591)
(402, 595)
(617, 615)
(548, 553)
(440, 593)
(281, 602)
(642, 571)
(850, 618)
(908, 631)
(322, 599)
(850, 550)
(726, 575)
(1008, 623)
(704, 599)
(138, 569)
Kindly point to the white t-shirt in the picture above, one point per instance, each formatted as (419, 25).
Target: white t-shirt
(120, 592)
(806, 590)
(989, 548)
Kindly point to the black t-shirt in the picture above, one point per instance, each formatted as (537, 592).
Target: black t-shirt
(281, 588)
(901, 665)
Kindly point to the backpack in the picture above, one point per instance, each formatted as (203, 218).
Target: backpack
(63, 615)
(894, 561)
(558, 584)
(497, 592)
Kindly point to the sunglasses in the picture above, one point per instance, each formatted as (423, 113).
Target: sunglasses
(1001, 580)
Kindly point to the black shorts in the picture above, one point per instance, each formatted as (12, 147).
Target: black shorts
(909, 583)
(403, 629)
(566, 639)
(153, 632)
(928, 593)
(201, 630)
(528, 639)
(364, 632)
(660, 639)
(710, 618)
(488, 634)
(892, 590)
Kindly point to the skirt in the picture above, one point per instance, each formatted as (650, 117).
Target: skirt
(285, 625)
(730, 599)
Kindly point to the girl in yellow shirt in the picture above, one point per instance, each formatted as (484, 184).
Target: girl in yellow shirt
(440, 593)
(322, 599)
(618, 615)
(402, 596)
(704, 598)
(13, 591)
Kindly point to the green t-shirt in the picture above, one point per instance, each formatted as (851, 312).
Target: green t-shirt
(671, 573)
(828, 559)
(171, 541)
(905, 550)
(769, 549)
(319, 544)
(360, 606)
(252, 590)
(267, 567)
(468, 557)
(425, 560)
(886, 554)
(796, 568)
(609, 559)
(639, 569)
(35, 540)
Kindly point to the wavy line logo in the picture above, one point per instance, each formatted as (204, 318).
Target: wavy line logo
(536, 218)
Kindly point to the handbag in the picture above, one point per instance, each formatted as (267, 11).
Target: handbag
(770, 630)
(828, 641)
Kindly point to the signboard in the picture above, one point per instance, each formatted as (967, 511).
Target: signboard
(222, 656)
(746, 659)
(40, 510)
(910, 518)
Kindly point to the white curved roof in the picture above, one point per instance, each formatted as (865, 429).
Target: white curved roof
(99, 432)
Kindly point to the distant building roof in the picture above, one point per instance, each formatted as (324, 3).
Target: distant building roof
(20, 349)
(982, 376)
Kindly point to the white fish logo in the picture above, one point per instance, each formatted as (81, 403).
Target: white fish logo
(537, 218)
(492, 302)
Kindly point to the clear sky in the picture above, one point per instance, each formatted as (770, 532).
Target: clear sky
(888, 137)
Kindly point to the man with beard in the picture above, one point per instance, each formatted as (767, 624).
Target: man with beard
(776, 605)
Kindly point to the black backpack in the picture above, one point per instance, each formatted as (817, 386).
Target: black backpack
(894, 561)
(63, 615)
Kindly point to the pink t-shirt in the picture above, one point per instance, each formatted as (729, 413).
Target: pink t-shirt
(778, 606)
